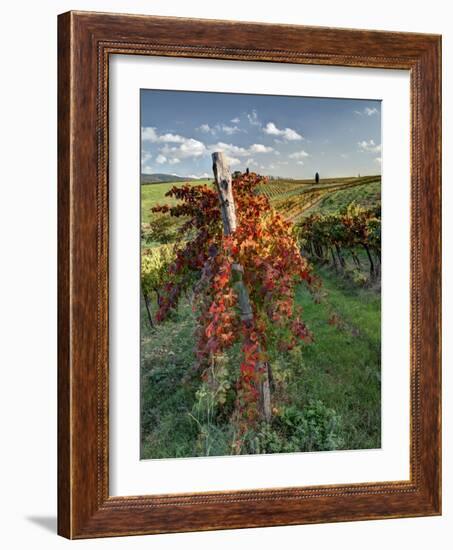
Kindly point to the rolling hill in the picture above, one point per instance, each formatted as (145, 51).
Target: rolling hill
(162, 178)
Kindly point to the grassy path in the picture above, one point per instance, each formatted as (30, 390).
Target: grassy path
(343, 366)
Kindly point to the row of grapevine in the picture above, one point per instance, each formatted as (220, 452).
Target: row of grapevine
(154, 273)
(332, 238)
(293, 198)
(294, 207)
(274, 189)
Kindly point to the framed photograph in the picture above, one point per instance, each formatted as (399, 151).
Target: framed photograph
(249, 275)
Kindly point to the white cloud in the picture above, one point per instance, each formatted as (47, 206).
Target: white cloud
(235, 151)
(176, 147)
(189, 148)
(253, 118)
(234, 161)
(171, 138)
(271, 129)
(251, 162)
(369, 146)
(146, 157)
(260, 148)
(299, 155)
(301, 162)
(378, 160)
(149, 134)
(288, 133)
(205, 128)
(344, 156)
(235, 120)
(368, 111)
(230, 130)
(229, 149)
(192, 148)
(204, 175)
(225, 128)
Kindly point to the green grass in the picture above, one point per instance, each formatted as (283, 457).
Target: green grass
(171, 423)
(166, 357)
(154, 193)
(333, 382)
(342, 367)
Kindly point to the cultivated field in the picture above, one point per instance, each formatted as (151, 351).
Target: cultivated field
(297, 198)
(327, 393)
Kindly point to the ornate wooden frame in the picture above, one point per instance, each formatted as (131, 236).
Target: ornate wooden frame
(85, 41)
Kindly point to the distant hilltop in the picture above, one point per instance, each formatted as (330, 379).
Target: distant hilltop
(163, 178)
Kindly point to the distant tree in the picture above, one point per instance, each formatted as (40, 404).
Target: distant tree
(317, 177)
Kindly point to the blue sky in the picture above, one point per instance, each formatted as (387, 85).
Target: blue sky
(272, 135)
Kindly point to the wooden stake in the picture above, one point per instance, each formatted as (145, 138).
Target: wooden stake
(224, 184)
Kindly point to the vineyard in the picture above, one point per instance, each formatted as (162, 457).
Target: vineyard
(295, 198)
(261, 324)
(334, 239)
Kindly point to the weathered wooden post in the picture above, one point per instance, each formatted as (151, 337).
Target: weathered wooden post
(316, 177)
(224, 185)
